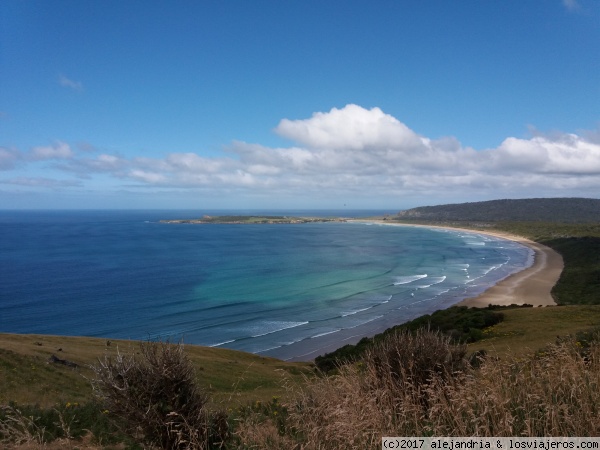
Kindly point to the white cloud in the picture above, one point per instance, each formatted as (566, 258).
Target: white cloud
(147, 177)
(350, 128)
(60, 150)
(357, 153)
(68, 83)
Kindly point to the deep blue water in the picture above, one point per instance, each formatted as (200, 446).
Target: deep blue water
(280, 290)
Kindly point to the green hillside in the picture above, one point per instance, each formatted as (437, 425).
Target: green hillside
(567, 210)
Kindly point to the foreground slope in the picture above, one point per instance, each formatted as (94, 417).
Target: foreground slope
(28, 375)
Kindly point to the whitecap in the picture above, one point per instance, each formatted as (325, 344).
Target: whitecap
(434, 280)
(275, 326)
(485, 272)
(350, 313)
(222, 343)
(268, 349)
(326, 333)
(408, 279)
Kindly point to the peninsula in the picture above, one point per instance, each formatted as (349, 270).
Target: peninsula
(254, 220)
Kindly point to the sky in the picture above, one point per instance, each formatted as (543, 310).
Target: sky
(298, 104)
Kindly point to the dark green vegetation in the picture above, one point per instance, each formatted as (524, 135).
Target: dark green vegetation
(579, 282)
(570, 226)
(461, 324)
(567, 210)
(579, 246)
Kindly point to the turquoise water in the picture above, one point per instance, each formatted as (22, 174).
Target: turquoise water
(289, 291)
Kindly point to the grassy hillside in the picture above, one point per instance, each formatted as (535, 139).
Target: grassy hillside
(27, 376)
(233, 377)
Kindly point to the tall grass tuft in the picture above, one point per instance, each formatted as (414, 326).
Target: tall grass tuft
(18, 429)
(556, 392)
(422, 385)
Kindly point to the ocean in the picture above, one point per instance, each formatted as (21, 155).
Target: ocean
(289, 291)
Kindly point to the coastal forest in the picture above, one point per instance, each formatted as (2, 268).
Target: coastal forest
(496, 371)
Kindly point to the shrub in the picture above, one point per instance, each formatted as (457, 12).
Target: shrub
(408, 361)
(156, 396)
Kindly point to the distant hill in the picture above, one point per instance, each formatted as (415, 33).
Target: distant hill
(571, 210)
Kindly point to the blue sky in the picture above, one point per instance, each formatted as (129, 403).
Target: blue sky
(297, 104)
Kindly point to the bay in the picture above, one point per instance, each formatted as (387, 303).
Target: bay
(289, 291)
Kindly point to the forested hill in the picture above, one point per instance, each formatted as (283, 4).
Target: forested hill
(572, 210)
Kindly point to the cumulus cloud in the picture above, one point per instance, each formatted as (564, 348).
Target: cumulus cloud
(357, 152)
(568, 154)
(350, 128)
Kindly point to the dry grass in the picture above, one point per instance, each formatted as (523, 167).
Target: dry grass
(552, 393)
(16, 429)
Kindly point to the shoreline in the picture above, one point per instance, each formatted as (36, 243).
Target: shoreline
(531, 285)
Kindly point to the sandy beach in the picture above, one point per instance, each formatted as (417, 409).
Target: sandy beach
(531, 286)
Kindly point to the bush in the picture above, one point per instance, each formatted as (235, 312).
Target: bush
(408, 360)
(156, 396)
